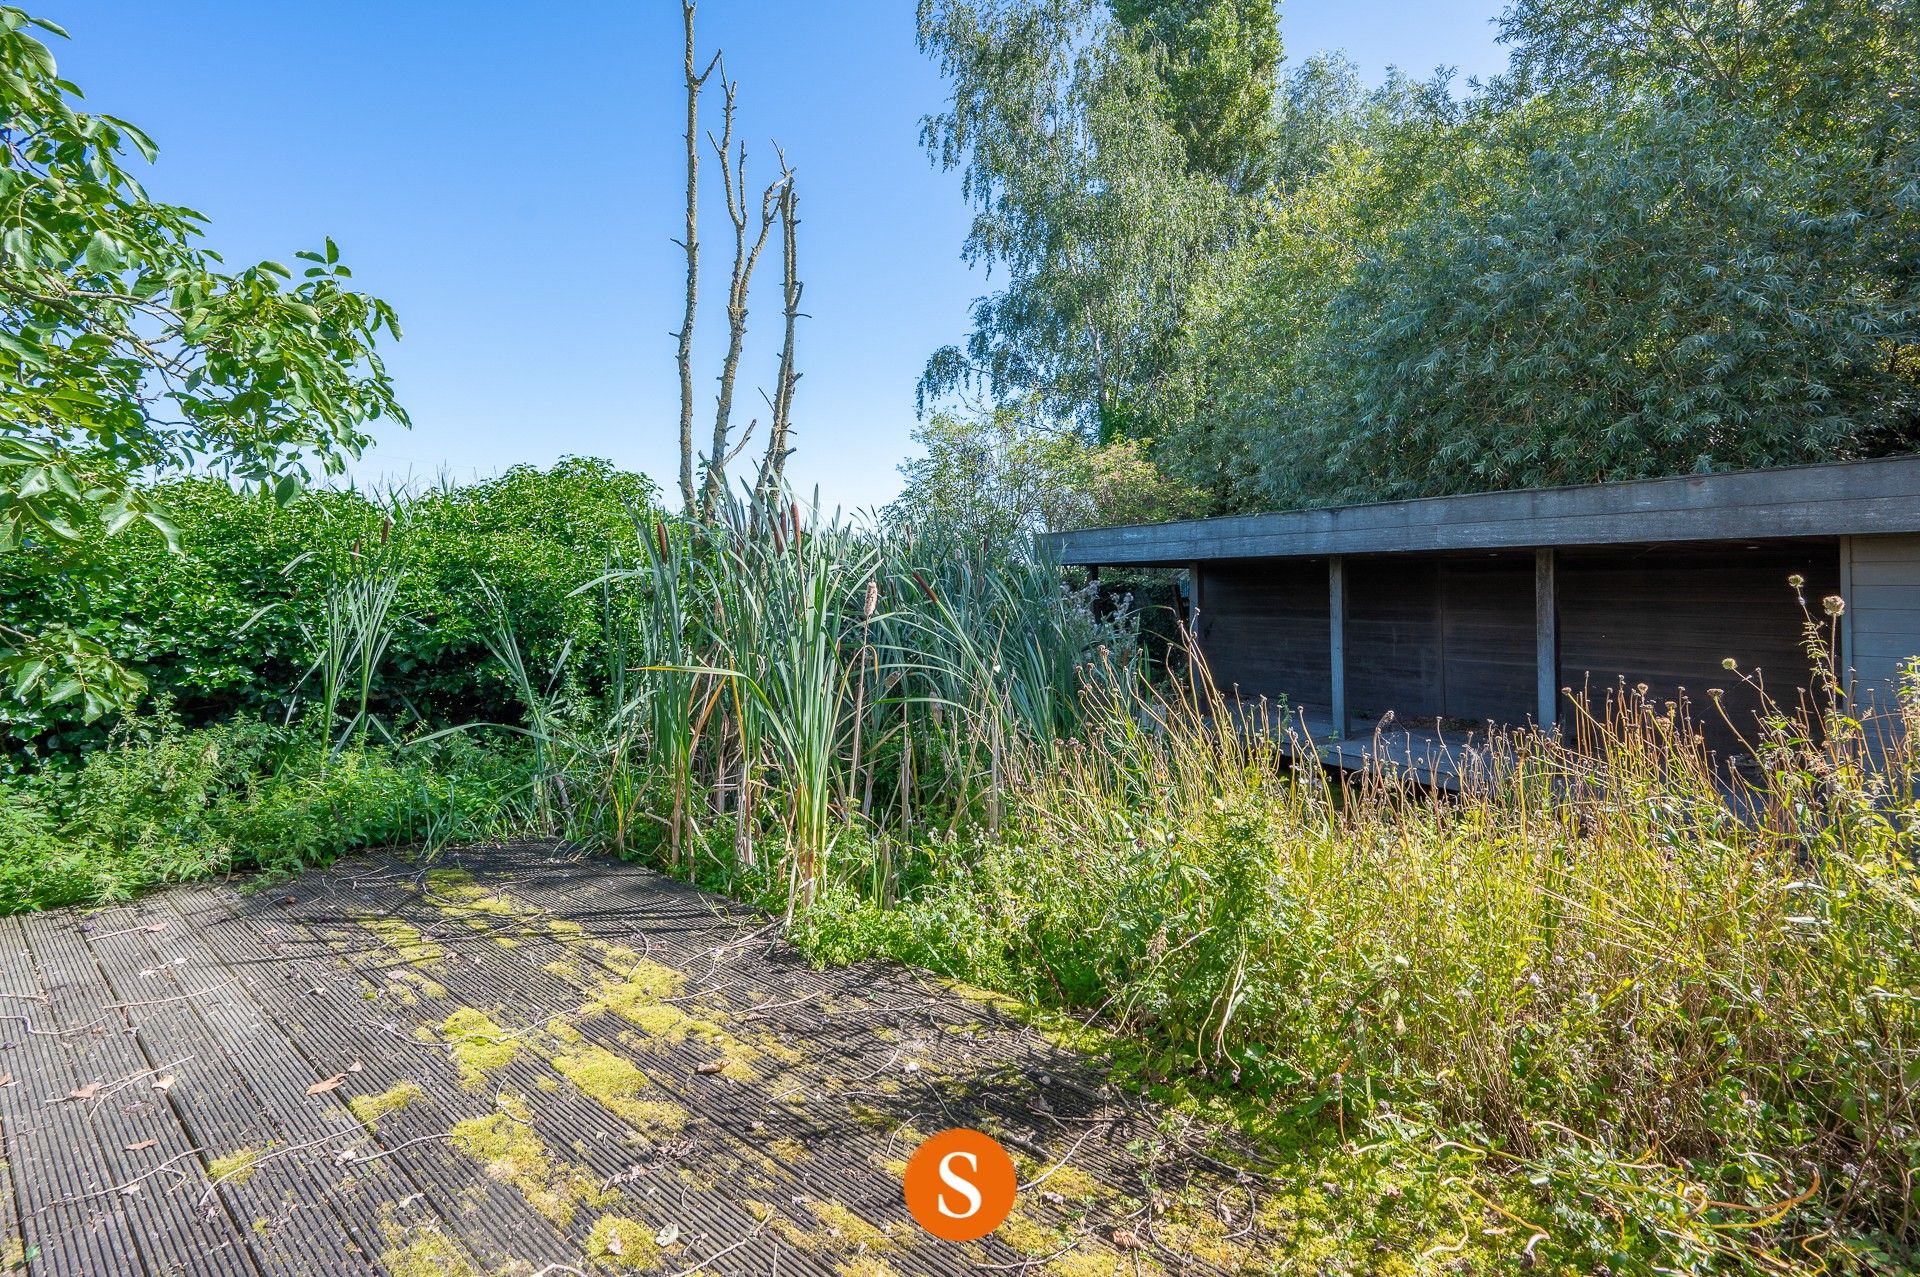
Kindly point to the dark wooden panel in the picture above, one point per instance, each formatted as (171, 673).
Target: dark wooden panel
(1263, 628)
(1432, 638)
(1394, 653)
(1883, 617)
(1669, 618)
(1488, 638)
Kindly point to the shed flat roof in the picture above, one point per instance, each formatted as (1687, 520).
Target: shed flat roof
(1839, 499)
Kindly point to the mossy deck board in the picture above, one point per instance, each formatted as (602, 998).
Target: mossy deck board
(587, 1107)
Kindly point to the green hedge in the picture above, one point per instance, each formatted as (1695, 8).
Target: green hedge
(221, 629)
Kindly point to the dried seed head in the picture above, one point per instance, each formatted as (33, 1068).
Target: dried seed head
(872, 601)
(1833, 605)
(1729, 664)
(1796, 580)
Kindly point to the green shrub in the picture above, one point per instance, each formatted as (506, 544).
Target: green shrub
(163, 803)
(224, 628)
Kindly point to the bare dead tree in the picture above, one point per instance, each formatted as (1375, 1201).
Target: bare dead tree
(703, 476)
(746, 255)
(773, 465)
(695, 82)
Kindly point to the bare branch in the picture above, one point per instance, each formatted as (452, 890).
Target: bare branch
(774, 464)
(746, 255)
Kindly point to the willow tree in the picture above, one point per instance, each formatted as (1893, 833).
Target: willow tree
(1675, 238)
(1095, 178)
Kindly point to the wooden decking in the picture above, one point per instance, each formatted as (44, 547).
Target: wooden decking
(527, 1062)
(1423, 755)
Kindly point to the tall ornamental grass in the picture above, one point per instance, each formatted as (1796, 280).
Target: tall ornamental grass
(796, 697)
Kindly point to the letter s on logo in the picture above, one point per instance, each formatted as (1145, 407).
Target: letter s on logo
(964, 1187)
(959, 1185)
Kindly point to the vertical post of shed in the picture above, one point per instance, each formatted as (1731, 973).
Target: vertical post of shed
(1546, 640)
(1337, 642)
(1193, 602)
(1845, 654)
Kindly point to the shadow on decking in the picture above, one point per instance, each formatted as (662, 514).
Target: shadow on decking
(526, 1061)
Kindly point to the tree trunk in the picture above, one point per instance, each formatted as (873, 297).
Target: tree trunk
(695, 82)
(746, 254)
(773, 467)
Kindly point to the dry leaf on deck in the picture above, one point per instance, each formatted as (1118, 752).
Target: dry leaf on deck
(711, 1066)
(321, 1088)
(142, 1146)
(668, 1235)
(163, 1083)
(86, 1092)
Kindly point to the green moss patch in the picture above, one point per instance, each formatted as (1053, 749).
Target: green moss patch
(638, 999)
(622, 1244)
(236, 1167)
(371, 1108)
(510, 1151)
(842, 1230)
(409, 946)
(644, 984)
(618, 1085)
(479, 1045)
(864, 1266)
(426, 1252)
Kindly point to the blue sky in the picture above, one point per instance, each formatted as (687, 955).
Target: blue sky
(509, 176)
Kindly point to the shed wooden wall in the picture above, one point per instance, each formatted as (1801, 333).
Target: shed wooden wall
(1431, 638)
(1882, 589)
(1670, 617)
(1263, 627)
(1452, 637)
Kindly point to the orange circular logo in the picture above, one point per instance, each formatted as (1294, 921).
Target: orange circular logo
(960, 1185)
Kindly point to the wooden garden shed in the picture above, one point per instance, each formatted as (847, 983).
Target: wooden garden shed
(1450, 613)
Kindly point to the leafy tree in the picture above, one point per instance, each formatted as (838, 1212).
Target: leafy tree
(1351, 168)
(1677, 238)
(999, 479)
(1678, 235)
(128, 349)
(1086, 193)
(1217, 60)
(1658, 295)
